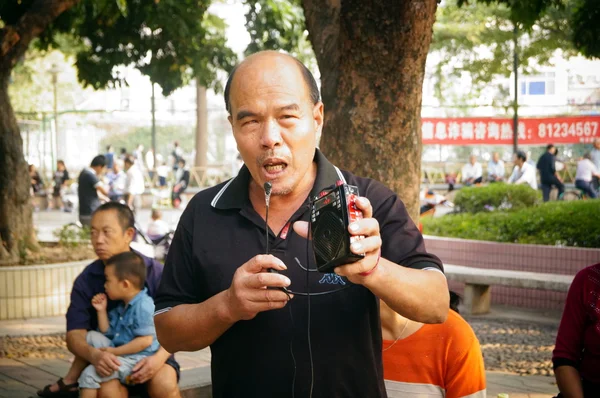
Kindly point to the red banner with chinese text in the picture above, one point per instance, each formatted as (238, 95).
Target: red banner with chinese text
(499, 131)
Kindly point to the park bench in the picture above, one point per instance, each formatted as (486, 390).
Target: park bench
(478, 283)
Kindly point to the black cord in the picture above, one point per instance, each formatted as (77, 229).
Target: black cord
(312, 374)
(267, 229)
(292, 349)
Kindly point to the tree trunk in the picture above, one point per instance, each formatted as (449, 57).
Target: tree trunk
(371, 54)
(16, 224)
(201, 127)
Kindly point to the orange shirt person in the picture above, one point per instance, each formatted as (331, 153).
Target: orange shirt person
(438, 360)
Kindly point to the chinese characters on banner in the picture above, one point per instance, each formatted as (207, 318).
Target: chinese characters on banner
(499, 131)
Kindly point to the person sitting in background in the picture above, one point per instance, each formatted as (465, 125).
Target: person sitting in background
(61, 176)
(523, 172)
(37, 185)
(182, 176)
(439, 360)
(127, 331)
(157, 228)
(117, 181)
(586, 171)
(576, 356)
(496, 168)
(472, 172)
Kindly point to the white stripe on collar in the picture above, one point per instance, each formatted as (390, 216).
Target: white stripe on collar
(220, 193)
(339, 173)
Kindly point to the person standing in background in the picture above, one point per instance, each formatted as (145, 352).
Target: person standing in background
(110, 156)
(61, 176)
(595, 158)
(88, 189)
(548, 175)
(150, 163)
(135, 184)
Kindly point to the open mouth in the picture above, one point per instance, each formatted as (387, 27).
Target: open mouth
(274, 166)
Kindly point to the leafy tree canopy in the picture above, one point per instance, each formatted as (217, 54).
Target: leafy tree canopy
(171, 41)
(582, 19)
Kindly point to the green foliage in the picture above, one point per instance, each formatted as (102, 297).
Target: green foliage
(171, 41)
(495, 196)
(71, 236)
(553, 223)
(478, 39)
(279, 25)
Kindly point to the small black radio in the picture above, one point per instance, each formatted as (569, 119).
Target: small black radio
(330, 216)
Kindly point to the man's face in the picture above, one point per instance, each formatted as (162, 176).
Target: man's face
(597, 143)
(108, 237)
(113, 287)
(472, 159)
(496, 157)
(127, 166)
(552, 150)
(274, 121)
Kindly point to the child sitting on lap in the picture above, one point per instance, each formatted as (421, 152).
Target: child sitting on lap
(128, 330)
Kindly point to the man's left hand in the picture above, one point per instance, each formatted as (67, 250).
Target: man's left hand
(370, 246)
(145, 369)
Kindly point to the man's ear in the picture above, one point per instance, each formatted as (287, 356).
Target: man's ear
(129, 234)
(318, 117)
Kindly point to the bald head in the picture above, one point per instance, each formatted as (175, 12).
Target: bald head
(269, 62)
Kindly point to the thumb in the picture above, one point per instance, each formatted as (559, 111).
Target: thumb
(138, 366)
(301, 228)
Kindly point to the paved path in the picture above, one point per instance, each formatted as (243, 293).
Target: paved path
(21, 378)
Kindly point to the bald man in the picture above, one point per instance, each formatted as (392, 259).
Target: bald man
(217, 290)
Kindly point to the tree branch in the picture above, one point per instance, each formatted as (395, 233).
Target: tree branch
(15, 39)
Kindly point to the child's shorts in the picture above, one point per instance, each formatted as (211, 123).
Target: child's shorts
(90, 379)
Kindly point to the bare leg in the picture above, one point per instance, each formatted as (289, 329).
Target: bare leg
(88, 393)
(112, 389)
(164, 383)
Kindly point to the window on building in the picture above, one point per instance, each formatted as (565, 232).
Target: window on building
(538, 85)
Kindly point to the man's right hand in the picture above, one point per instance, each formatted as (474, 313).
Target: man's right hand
(105, 363)
(249, 294)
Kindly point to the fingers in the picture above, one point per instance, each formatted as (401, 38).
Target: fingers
(369, 245)
(301, 228)
(268, 295)
(365, 205)
(266, 279)
(365, 227)
(138, 365)
(262, 262)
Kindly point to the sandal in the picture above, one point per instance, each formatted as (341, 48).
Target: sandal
(64, 390)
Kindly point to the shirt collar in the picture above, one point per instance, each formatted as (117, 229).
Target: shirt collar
(234, 194)
(138, 296)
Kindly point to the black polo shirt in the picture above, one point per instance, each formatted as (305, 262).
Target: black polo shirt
(220, 230)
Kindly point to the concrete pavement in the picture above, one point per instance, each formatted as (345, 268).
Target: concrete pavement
(21, 378)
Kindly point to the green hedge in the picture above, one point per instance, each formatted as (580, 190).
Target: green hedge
(495, 196)
(554, 223)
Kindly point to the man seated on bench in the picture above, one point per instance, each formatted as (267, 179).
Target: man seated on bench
(156, 375)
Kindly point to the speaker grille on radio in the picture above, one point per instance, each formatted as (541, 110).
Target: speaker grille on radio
(329, 235)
